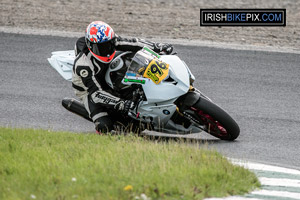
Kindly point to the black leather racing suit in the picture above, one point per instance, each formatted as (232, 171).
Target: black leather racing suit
(88, 79)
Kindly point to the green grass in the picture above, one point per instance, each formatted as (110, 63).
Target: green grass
(59, 165)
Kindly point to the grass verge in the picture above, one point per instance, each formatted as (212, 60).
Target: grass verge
(39, 164)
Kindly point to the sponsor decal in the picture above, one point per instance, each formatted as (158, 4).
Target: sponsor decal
(166, 112)
(104, 99)
(134, 81)
(156, 71)
(130, 74)
(151, 52)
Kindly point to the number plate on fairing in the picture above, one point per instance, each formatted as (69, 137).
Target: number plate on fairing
(156, 71)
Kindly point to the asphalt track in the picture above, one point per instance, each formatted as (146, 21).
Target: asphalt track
(261, 90)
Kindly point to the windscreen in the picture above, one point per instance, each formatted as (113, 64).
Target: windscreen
(147, 65)
(138, 64)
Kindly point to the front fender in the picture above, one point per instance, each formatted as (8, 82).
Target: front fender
(187, 100)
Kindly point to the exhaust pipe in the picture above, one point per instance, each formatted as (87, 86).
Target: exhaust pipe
(76, 107)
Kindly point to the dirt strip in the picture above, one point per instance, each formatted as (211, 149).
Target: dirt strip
(176, 19)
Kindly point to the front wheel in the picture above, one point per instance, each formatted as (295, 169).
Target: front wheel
(214, 120)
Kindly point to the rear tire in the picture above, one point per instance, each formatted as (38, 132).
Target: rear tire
(216, 121)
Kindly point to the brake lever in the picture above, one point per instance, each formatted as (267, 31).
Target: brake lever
(165, 53)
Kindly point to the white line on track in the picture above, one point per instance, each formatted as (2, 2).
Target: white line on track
(232, 198)
(263, 167)
(280, 182)
(270, 186)
(277, 194)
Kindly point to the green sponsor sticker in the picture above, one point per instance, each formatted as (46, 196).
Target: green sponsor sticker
(152, 52)
(134, 81)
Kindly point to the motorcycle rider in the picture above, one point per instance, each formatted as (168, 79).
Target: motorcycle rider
(94, 52)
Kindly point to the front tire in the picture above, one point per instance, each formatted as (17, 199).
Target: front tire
(215, 120)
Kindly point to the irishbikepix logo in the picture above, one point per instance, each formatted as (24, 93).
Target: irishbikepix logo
(242, 17)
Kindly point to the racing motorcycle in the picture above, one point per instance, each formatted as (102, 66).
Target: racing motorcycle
(161, 88)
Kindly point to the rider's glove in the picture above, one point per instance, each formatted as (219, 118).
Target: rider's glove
(123, 106)
(163, 48)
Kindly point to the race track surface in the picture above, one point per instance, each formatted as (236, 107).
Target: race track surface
(259, 89)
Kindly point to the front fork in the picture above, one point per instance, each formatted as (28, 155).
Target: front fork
(202, 95)
(185, 104)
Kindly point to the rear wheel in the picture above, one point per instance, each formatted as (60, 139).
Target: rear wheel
(214, 120)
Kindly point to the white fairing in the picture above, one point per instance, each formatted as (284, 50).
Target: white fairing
(159, 107)
(169, 90)
(62, 62)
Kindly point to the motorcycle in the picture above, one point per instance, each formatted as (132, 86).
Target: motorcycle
(160, 87)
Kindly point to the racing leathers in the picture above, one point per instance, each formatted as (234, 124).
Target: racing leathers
(88, 80)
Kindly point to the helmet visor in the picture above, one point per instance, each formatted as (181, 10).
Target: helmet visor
(104, 49)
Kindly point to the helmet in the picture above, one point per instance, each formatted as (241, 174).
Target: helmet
(99, 39)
